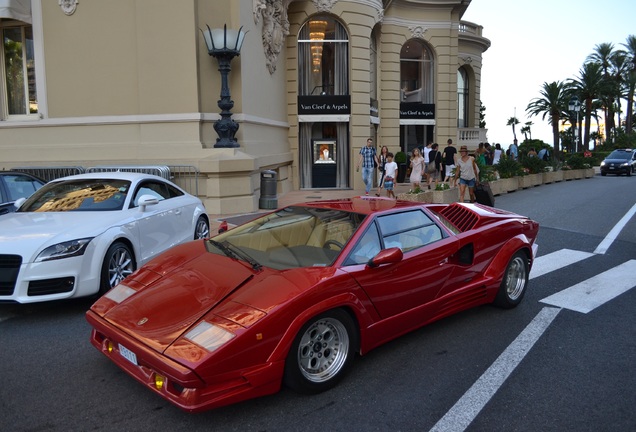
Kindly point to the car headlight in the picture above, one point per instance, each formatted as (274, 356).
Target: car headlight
(65, 249)
(603, 163)
(626, 164)
(120, 293)
(209, 336)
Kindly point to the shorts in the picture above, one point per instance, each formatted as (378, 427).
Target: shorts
(388, 183)
(449, 170)
(469, 183)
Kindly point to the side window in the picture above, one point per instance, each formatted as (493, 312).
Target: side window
(408, 230)
(173, 191)
(368, 246)
(156, 189)
(19, 186)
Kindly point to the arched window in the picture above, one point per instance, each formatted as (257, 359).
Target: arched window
(416, 72)
(323, 66)
(462, 98)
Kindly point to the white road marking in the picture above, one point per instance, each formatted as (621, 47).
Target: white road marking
(609, 239)
(474, 400)
(592, 293)
(556, 260)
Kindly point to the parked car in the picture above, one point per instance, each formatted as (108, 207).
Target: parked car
(15, 185)
(291, 296)
(81, 235)
(620, 161)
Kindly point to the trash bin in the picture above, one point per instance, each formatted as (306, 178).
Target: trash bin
(269, 199)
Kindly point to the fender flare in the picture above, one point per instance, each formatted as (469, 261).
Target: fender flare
(346, 301)
(499, 263)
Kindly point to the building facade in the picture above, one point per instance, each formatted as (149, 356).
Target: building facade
(130, 82)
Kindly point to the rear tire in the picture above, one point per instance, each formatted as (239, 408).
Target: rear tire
(119, 263)
(321, 352)
(514, 283)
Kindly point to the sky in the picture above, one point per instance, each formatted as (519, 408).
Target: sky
(537, 41)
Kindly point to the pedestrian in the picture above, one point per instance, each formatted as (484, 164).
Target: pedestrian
(497, 156)
(417, 168)
(514, 150)
(368, 157)
(480, 154)
(427, 150)
(489, 154)
(389, 175)
(448, 157)
(467, 173)
(532, 152)
(382, 160)
(434, 165)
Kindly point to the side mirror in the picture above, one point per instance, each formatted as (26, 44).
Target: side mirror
(146, 200)
(17, 203)
(387, 256)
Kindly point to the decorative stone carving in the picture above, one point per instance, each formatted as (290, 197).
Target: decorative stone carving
(324, 5)
(417, 31)
(68, 6)
(275, 27)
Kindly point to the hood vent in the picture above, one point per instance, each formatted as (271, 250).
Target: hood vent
(461, 217)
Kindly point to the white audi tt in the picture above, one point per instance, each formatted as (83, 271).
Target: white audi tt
(82, 235)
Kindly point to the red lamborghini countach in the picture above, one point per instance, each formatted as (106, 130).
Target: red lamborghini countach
(292, 296)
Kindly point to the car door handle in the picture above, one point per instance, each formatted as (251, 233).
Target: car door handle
(444, 261)
(177, 211)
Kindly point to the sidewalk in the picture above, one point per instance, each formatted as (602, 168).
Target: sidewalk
(299, 196)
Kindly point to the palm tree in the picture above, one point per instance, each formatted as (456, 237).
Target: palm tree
(551, 104)
(602, 55)
(512, 121)
(630, 79)
(589, 85)
(524, 130)
(529, 126)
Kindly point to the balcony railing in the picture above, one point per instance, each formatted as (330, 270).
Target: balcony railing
(471, 137)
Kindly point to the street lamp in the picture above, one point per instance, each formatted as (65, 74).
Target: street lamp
(575, 105)
(224, 44)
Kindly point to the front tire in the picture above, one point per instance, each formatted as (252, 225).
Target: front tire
(321, 353)
(202, 229)
(118, 264)
(514, 283)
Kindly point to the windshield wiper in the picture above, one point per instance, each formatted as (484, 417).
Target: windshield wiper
(235, 252)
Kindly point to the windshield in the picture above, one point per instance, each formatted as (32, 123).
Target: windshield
(78, 195)
(293, 237)
(620, 154)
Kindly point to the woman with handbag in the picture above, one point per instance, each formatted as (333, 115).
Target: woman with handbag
(434, 165)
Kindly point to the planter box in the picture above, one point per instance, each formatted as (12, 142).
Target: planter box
(503, 186)
(530, 180)
(448, 196)
(432, 196)
(552, 177)
(589, 173)
(573, 174)
(425, 197)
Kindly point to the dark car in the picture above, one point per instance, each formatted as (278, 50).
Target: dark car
(620, 161)
(15, 185)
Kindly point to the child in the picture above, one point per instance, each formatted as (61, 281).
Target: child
(390, 168)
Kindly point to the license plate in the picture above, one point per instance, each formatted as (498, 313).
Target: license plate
(128, 354)
(611, 167)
